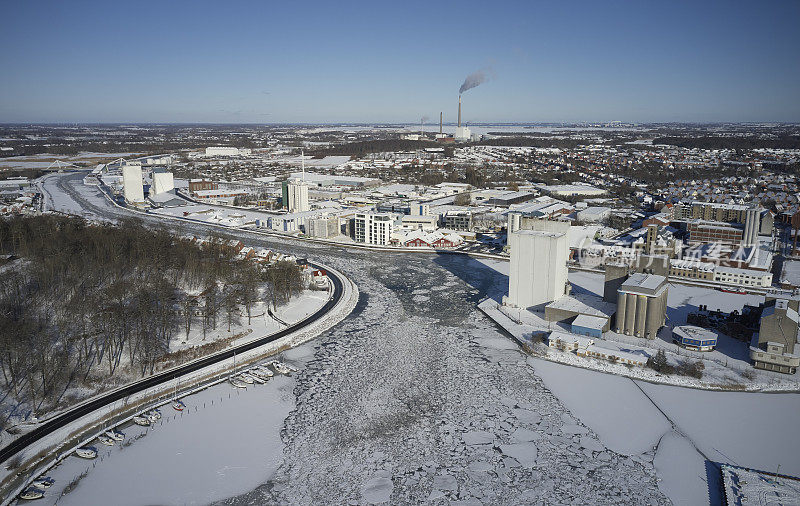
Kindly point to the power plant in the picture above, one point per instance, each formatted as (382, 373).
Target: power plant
(463, 134)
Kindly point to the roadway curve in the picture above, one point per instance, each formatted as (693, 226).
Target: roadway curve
(74, 414)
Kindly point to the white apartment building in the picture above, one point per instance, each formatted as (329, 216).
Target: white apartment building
(373, 228)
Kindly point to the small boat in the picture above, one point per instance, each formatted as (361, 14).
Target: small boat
(238, 384)
(86, 452)
(115, 435)
(31, 493)
(178, 405)
(106, 440)
(254, 377)
(246, 378)
(156, 413)
(266, 371)
(141, 420)
(281, 368)
(259, 375)
(43, 483)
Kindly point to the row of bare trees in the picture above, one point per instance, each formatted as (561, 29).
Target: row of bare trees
(78, 300)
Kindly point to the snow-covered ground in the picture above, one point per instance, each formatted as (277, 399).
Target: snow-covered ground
(260, 324)
(417, 396)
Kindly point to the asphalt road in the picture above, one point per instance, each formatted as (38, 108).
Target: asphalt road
(69, 416)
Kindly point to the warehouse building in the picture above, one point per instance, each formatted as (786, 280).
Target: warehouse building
(694, 338)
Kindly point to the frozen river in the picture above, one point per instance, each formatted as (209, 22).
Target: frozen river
(417, 396)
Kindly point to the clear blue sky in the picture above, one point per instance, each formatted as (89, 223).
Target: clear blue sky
(305, 61)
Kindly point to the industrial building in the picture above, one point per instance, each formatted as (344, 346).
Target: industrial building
(538, 266)
(297, 197)
(695, 338)
(642, 305)
(774, 347)
(227, 151)
(323, 227)
(133, 187)
(373, 228)
(162, 181)
(593, 214)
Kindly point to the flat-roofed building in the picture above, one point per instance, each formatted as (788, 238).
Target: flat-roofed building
(373, 228)
(642, 305)
(538, 266)
(695, 338)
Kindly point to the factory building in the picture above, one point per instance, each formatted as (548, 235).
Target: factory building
(538, 267)
(642, 305)
(227, 151)
(694, 338)
(324, 227)
(774, 347)
(162, 182)
(373, 228)
(133, 188)
(297, 197)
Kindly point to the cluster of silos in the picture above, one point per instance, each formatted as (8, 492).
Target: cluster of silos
(641, 313)
(751, 226)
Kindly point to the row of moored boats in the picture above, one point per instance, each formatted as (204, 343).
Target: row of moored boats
(260, 374)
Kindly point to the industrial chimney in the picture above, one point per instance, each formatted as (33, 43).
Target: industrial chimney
(440, 123)
(459, 110)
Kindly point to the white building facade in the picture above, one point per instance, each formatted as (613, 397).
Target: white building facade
(298, 197)
(373, 228)
(538, 267)
(133, 188)
(162, 182)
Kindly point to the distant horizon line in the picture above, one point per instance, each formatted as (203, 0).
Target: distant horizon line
(393, 123)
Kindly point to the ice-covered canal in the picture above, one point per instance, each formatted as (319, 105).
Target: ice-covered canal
(418, 397)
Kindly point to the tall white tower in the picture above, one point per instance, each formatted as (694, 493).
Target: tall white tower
(133, 187)
(538, 267)
(298, 191)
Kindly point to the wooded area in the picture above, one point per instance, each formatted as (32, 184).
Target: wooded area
(82, 302)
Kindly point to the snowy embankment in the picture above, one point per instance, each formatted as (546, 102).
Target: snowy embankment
(61, 442)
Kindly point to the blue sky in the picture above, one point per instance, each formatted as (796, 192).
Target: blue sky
(272, 62)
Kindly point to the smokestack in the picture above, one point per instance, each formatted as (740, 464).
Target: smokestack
(459, 110)
(440, 122)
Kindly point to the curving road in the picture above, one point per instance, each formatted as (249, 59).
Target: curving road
(74, 414)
